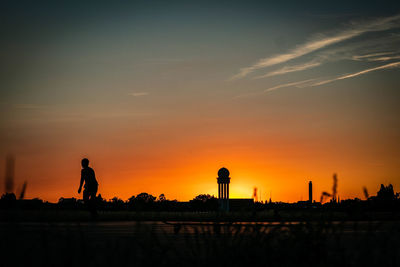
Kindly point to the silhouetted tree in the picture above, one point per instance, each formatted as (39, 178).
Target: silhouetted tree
(117, 203)
(116, 200)
(144, 197)
(131, 202)
(100, 202)
(142, 201)
(204, 202)
(67, 203)
(203, 197)
(386, 193)
(9, 197)
(162, 198)
(8, 200)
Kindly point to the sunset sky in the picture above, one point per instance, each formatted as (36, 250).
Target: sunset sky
(161, 94)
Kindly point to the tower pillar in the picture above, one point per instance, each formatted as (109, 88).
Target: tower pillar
(223, 180)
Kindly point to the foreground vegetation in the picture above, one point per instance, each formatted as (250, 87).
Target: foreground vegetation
(146, 231)
(286, 215)
(186, 244)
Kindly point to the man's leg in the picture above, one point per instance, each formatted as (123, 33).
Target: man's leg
(92, 202)
(88, 201)
(86, 195)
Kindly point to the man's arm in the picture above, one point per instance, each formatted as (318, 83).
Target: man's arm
(81, 183)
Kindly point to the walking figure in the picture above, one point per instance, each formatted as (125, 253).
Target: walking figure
(90, 187)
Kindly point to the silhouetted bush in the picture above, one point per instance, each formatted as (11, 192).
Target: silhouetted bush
(204, 203)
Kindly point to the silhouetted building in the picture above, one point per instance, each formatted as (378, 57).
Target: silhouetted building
(223, 189)
(241, 204)
(310, 192)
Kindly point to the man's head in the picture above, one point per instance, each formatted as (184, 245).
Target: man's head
(85, 162)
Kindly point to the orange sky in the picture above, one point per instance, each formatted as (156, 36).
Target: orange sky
(181, 160)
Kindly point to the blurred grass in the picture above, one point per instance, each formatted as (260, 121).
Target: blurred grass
(318, 243)
(56, 215)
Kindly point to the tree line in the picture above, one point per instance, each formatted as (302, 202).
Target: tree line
(386, 199)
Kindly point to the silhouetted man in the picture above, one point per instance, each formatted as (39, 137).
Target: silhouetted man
(91, 185)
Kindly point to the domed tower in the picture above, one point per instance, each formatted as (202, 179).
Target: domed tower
(223, 188)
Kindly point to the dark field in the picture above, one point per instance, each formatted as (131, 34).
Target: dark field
(184, 243)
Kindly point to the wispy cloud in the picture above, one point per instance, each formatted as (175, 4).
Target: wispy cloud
(387, 58)
(347, 76)
(367, 56)
(334, 55)
(289, 69)
(299, 84)
(319, 81)
(322, 41)
(136, 94)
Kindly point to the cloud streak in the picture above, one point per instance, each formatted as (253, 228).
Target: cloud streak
(347, 76)
(356, 29)
(318, 81)
(384, 58)
(299, 84)
(289, 69)
(368, 56)
(136, 94)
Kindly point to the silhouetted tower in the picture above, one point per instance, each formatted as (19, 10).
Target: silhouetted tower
(310, 192)
(223, 189)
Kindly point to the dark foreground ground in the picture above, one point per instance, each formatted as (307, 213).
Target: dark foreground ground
(184, 243)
